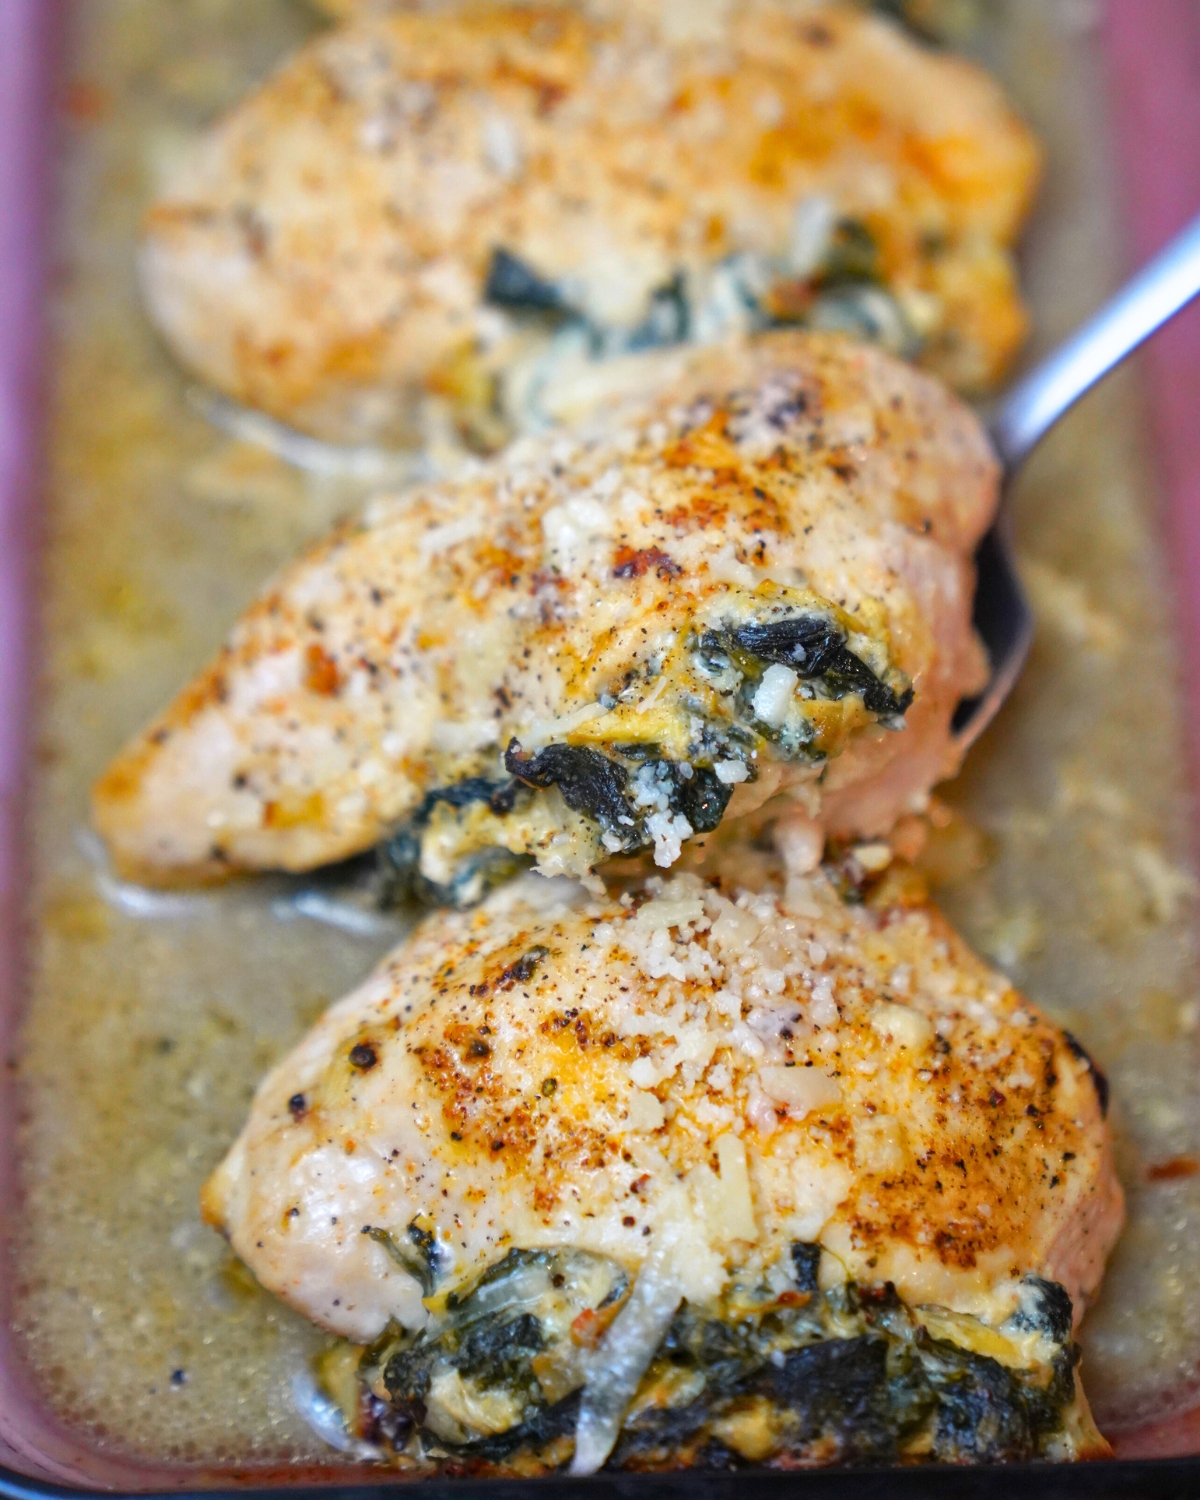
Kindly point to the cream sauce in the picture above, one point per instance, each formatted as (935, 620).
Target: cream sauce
(150, 1024)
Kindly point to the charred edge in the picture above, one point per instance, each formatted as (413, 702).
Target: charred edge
(589, 782)
(703, 799)
(514, 284)
(806, 1258)
(631, 563)
(1048, 1309)
(1099, 1077)
(385, 1425)
(523, 970)
(814, 647)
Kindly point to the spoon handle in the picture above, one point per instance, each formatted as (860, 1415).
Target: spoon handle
(1154, 295)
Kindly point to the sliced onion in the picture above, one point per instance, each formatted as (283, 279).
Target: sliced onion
(616, 1368)
(344, 915)
(325, 1417)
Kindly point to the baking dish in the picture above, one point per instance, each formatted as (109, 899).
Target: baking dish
(38, 1445)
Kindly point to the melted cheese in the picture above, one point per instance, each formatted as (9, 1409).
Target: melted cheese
(612, 1076)
(324, 253)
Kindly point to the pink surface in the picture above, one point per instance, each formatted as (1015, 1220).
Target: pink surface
(27, 34)
(25, 27)
(1154, 65)
(1153, 49)
(24, 83)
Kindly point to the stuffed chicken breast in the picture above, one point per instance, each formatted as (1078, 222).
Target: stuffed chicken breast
(694, 1174)
(755, 589)
(465, 214)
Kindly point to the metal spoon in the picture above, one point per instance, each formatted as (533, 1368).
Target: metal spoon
(1003, 617)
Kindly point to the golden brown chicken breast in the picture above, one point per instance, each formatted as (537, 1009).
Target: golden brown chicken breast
(466, 213)
(782, 1173)
(756, 586)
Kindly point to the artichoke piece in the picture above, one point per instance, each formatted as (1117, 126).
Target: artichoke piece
(779, 1370)
(501, 1360)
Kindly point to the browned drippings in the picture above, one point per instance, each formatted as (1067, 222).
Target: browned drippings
(148, 1032)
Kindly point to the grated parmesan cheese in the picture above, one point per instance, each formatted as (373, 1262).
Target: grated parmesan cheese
(440, 539)
(671, 911)
(645, 1111)
(900, 1024)
(774, 694)
(800, 1090)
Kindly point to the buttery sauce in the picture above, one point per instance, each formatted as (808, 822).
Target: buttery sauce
(1063, 851)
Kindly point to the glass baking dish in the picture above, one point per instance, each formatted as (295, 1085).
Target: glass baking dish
(133, 1356)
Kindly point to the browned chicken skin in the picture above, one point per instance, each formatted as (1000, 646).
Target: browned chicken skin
(683, 1082)
(755, 586)
(458, 214)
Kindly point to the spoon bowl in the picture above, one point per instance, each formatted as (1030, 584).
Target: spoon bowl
(1002, 615)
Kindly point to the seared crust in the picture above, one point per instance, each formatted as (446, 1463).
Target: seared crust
(560, 597)
(323, 254)
(556, 1071)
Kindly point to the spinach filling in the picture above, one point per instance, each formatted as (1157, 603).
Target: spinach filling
(851, 1375)
(601, 787)
(846, 290)
(418, 1254)
(513, 284)
(619, 795)
(781, 1372)
(632, 792)
(815, 648)
(503, 1370)
(1099, 1077)
(399, 877)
